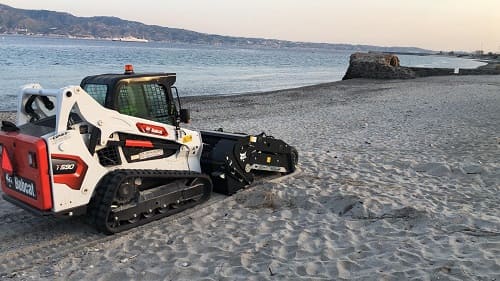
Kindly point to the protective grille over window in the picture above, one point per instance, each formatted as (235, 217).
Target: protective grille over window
(131, 101)
(97, 91)
(157, 101)
(147, 101)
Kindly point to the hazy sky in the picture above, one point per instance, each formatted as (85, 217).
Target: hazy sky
(434, 24)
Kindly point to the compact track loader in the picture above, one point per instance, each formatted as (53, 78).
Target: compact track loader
(113, 149)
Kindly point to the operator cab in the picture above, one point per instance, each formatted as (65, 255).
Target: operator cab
(145, 95)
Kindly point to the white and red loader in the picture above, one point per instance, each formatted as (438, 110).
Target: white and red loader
(113, 148)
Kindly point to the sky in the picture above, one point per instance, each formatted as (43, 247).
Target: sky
(445, 25)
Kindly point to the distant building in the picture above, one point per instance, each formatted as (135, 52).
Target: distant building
(21, 30)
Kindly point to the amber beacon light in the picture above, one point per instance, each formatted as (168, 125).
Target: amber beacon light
(129, 69)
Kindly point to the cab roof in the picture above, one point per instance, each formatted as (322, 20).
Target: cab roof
(111, 80)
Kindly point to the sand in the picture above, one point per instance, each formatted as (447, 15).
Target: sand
(397, 180)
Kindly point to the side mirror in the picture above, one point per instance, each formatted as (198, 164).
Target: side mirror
(185, 115)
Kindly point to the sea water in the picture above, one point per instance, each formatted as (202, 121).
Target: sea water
(201, 69)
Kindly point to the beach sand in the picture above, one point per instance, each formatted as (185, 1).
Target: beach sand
(397, 180)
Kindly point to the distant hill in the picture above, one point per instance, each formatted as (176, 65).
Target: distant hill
(49, 23)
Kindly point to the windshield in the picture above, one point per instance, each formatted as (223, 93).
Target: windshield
(146, 100)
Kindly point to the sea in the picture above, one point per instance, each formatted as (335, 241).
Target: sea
(201, 69)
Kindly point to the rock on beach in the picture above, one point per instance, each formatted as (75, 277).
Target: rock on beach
(376, 66)
(387, 66)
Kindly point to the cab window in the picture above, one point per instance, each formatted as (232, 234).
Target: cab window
(148, 101)
(97, 91)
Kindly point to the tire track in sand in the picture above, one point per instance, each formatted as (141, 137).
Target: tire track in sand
(27, 240)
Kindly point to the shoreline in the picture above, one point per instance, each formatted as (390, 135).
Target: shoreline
(480, 70)
(251, 94)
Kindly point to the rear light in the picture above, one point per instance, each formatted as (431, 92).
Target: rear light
(6, 163)
(32, 159)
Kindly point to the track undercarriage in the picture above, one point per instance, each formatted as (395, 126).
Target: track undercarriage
(129, 198)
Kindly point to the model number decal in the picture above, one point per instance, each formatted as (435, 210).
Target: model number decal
(60, 166)
(65, 167)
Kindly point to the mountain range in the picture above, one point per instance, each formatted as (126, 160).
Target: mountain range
(50, 23)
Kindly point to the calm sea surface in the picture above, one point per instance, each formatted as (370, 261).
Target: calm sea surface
(201, 70)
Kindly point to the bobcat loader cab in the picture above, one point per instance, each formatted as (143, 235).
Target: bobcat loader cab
(147, 96)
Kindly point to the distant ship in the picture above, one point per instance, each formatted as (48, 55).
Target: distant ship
(130, 39)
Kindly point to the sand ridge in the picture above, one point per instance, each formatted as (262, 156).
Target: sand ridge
(398, 180)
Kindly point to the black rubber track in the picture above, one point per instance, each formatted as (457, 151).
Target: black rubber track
(100, 206)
